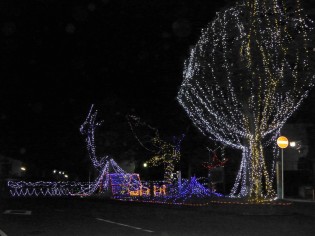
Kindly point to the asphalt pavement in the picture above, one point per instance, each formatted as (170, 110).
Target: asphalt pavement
(75, 216)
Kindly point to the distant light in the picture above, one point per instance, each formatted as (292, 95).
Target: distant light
(54, 171)
(23, 168)
(145, 165)
(63, 172)
(59, 172)
(66, 176)
(292, 144)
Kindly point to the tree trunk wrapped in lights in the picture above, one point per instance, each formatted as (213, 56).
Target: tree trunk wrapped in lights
(168, 154)
(247, 74)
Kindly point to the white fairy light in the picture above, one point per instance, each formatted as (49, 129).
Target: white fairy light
(247, 74)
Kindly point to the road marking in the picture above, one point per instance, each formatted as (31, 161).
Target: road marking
(17, 212)
(2, 233)
(129, 226)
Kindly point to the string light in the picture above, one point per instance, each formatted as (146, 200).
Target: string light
(164, 153)
(188, 190)
(193, 188)
(88, 130)
(105, 165)
(247, 74)
(215, 162)
(113, 178)
(203, 204)
(42, 188)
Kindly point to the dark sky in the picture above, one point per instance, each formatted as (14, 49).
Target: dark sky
(58, 57)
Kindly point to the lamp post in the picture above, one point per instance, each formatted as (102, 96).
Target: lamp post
(283, 143)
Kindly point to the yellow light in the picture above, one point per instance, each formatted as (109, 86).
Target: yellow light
(23, 168)
(145, 165)
(282, 142)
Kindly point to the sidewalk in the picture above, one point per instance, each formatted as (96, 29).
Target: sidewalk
(299, 200)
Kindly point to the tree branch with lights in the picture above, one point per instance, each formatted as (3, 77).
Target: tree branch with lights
(164, 152)
(215, 162)
(249, 71)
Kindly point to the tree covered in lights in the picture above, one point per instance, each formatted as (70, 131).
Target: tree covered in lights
(247, 74)
(164, 152)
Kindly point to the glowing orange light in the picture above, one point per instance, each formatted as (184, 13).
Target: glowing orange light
(282, 142)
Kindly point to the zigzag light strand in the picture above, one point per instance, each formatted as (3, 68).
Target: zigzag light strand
(58, 189)
(44, 188)
(247, 74)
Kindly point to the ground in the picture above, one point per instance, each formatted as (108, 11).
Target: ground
(83, 216)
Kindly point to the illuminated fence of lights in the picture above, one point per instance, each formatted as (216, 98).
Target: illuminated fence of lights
(45, 188)
(106, 182)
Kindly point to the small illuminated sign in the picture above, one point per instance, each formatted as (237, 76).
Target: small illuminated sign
(282, 142)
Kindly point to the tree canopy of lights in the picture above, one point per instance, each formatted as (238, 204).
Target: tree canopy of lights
(164, 152)
(246, 75)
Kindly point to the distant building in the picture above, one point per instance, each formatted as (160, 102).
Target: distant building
(298, 148)
(298, 158)
(11, 168)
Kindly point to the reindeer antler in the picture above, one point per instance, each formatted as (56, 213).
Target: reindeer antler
(88, 129)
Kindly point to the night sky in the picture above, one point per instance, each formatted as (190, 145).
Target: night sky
(126, 57)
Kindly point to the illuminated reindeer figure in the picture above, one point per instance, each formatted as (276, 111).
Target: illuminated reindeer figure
(102, 164)
(88, 130)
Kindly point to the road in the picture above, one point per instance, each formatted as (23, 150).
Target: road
(95, 217)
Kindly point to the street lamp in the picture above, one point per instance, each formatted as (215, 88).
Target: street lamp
(145, 165)
(292, 144)
(283, 143)
(23, 168)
